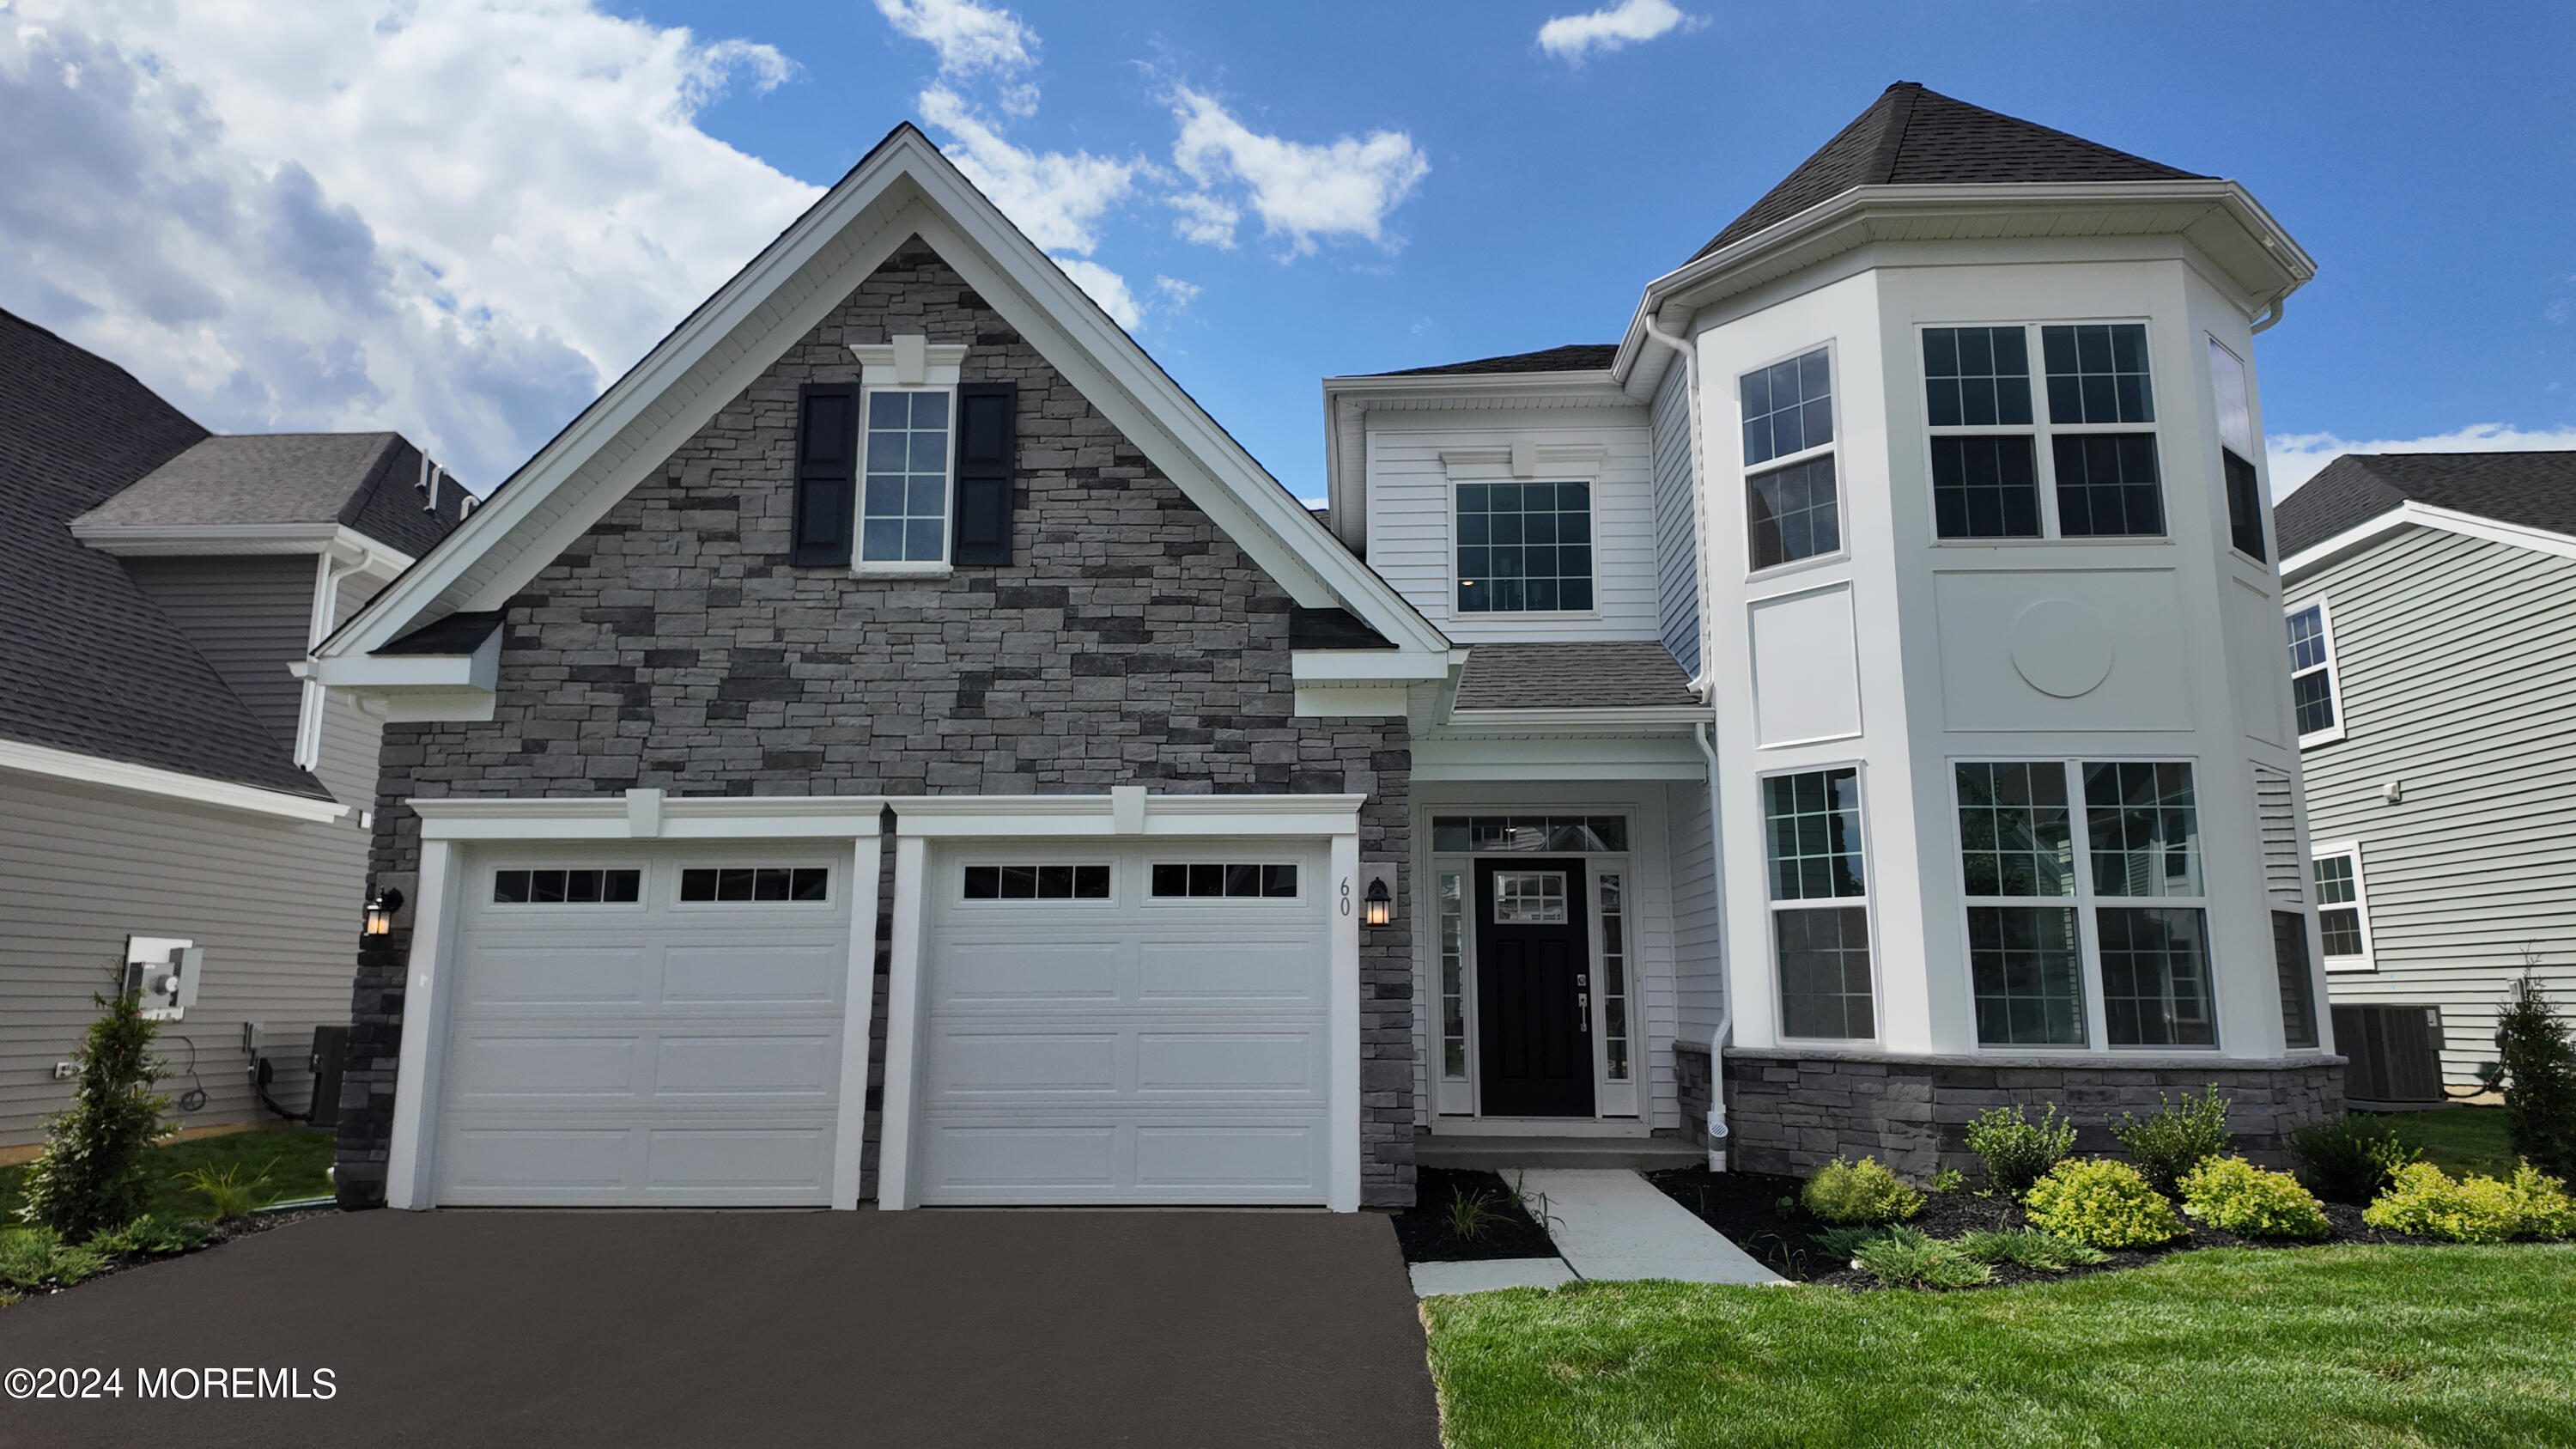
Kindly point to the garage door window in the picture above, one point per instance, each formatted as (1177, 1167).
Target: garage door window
(756, 883)
(1198, 879)
(566, 887)
(1037, 882)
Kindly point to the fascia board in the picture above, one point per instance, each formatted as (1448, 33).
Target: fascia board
(1511, 723)
(1743, 264)
(171, 784)
(369, 672)
(1336, 666)
(163, 539)
(2411, 514)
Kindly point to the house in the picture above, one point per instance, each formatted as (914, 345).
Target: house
(895, 745)
(2431, 641)
(164, 773)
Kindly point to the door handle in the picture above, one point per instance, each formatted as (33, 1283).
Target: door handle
(1583, 1009)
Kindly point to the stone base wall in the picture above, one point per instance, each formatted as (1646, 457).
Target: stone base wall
(1789, 1111)
(1691, 1078)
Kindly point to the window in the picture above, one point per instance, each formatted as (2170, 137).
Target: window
(1984, 485)
(1201, 880)
(1453, 976)
(2343, 922)
(2107, 485)
(756, 883)
(2026, 960)
(1614, 978)
(2315, 693)
(1037, 883)
(1791, 512)
(1529, 898)
(2106, 482)
(903, 516)
(1524, 547)
(2142, 826)
(566, 887)
(2098, 374)
(1538, 834)
(1819, 907)
(2298, 987)
(2232, 401)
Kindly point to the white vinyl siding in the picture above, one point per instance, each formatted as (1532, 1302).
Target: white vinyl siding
(1676, 523)
(250, 617)
(1411, 501)
(2460, 653)
(1699, 941)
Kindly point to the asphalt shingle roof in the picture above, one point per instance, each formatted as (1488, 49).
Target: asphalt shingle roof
(365, 481)
(2536, 490)
(1591, 674)
(1576, 357)
(1912, 136)
(88, 663)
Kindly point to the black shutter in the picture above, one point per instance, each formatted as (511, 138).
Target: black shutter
(987, 455)
(827, 457)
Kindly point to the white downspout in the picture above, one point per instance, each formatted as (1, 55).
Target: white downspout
(1706, 739)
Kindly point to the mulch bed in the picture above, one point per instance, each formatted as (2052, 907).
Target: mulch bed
(1746, 1207)
(224, 1233)
(1423, 1230)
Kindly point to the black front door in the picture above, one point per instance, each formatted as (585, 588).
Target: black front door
(1533, 988)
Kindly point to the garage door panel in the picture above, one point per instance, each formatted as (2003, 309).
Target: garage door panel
(544, 1162)
(1231, 1157)
(489, 1068)
(1221, 967)
(715, 974)
(981, 1063)
(1268, 1063)
(770, 1065)
(988, 973)
(738, 1159)
(1077, 1160)
(532, 975)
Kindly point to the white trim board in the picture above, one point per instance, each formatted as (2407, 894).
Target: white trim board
(171, 784)
(2411, 514)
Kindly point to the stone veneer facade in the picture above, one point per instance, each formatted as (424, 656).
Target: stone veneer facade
(1788, 1110)
(1129, 642)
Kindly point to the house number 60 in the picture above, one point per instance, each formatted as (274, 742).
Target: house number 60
(1346, 895)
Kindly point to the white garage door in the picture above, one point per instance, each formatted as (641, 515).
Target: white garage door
(1126, 1025)
(654, 1027)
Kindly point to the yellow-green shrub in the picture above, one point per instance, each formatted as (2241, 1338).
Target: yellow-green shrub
(2101, 1202)
(2542, 1204)
(2234, 1194)
(2473, 1209)
(1843, 1191)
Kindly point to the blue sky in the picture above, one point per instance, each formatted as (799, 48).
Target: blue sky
(1273, 194)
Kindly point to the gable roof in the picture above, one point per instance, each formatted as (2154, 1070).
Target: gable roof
(367, 482)
(903, 188)
(1574, 357)
(89, 665)
(1913, 136)
(2532, 490)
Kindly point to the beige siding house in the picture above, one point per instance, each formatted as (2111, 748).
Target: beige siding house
(2431, 603)
(165, 771)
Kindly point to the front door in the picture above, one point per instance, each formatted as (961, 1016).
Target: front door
(1533, 988)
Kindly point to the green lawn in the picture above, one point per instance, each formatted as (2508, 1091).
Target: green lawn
(2458, 1139)
(300, 1158)
(2339, 1345)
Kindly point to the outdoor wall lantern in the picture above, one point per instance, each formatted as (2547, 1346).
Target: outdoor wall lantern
(1379, 904)
(380, 911)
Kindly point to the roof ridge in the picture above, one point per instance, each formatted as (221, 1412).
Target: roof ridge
(1891, 141)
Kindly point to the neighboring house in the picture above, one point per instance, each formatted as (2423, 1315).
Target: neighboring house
(164, 772)
(895, 745)
(2431, 600)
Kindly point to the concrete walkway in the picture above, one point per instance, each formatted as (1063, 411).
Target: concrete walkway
(1611, 1223)
(1431, 1280)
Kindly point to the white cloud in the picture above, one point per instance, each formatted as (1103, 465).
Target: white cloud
(1572, 37)
(2296, 457)
(1106, 288)
(451, 217)
(1057, 199)
(1177, 294)
(1302, 192)
(1204, 219)
(969, 37)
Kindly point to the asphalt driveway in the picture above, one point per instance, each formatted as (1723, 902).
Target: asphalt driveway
(628, 1329)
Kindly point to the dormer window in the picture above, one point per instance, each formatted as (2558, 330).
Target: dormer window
(1524, 548)
(1791, 511)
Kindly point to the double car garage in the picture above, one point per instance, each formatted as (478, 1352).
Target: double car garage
(1087, 1000)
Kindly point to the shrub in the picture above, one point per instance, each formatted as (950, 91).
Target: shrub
(2234, 1194)
(2103, 1204)
(1843, 1191)
(2539, 1079)
(1907, 1258)
(91, 1176)
(2178, 1138)
(152, 1238)
(1948, 1179)
(2424, 1201)
(2350, 1158)
(2541, 1205)
(35, 1257)
(2030, 1250)
(2018, 1152)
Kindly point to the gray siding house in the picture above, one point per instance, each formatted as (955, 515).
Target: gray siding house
(2431, 602)
(164, 771)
